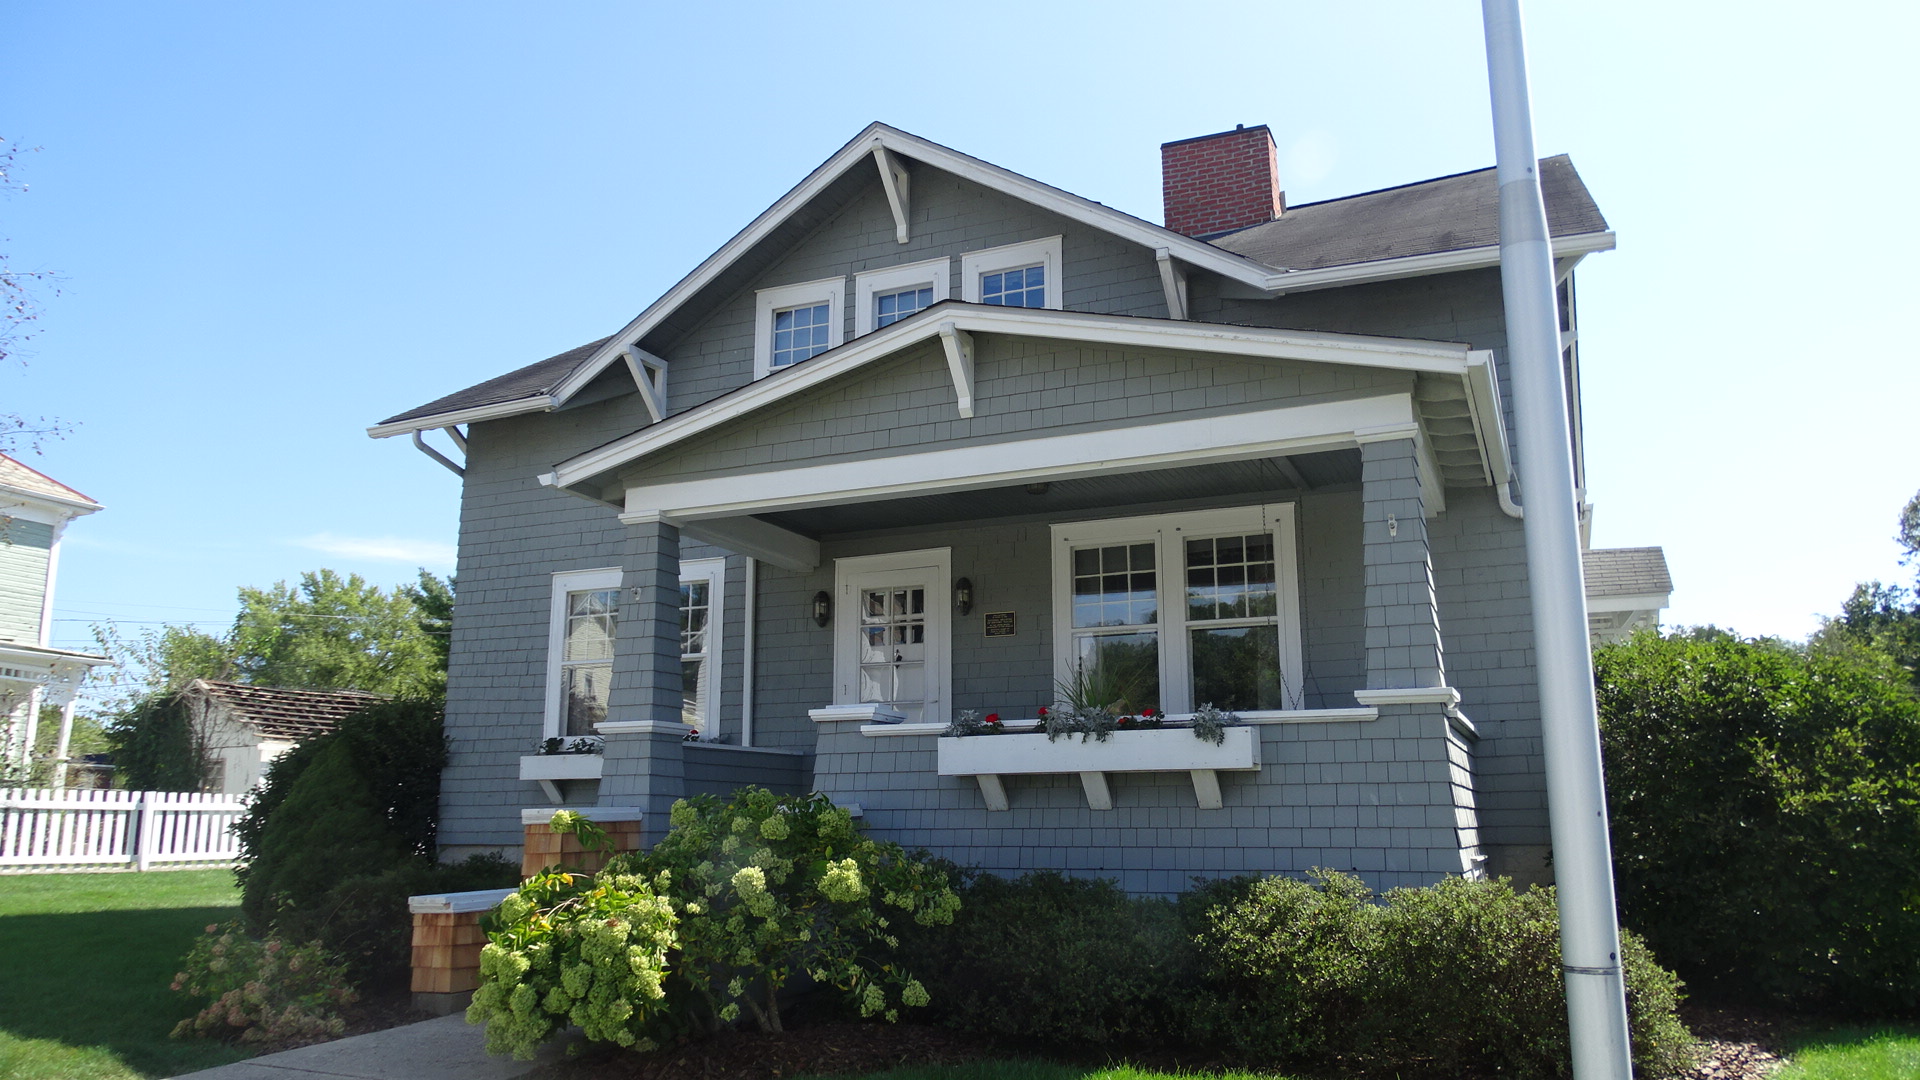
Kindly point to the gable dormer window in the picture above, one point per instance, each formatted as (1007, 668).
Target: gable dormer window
(1026, 274)
(884, 297)
(796, 322)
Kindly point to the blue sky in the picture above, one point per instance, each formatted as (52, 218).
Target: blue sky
(278, 224)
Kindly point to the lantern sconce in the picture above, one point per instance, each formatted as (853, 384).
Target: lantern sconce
(963, 596)
(822, 608)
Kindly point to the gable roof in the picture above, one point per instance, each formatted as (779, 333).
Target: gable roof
(19, 480)
(281, 714)
(1274, 261)
(1446, 214)
(1617, 572)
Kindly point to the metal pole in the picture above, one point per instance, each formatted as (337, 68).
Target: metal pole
(1576, 796)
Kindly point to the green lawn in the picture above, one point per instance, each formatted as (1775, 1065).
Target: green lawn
(85, 968)
(1855, 1053)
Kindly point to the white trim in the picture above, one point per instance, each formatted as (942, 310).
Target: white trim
(649, 378)
(1439, 262)
(458, 903)
(1173, 282)
(714, 573)
(864, 712)
(1168, 532)
(1252, 342)
(935, 274)
(752, 537)
(958, 345)
(898, 184)
(768, 302)
(566, 582)
(1201, 441)
(987, 758)
(530, 404)
(736, 748)
(874, 731)
(1609, 605)
(643, 727)
(540, 815)
(931, 569)
(562, 766)
(1413, 695)
(1045, 252)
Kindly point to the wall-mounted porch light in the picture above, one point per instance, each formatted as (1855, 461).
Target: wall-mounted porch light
(963, 596)
(822, 608)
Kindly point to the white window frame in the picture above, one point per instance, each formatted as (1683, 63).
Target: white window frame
(1169, 533)
(846, 620)
(873, 284)
(565, 583)
(713, 572)
(1044, 251)
(767, 302)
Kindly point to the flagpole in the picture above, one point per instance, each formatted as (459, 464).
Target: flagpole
(1576, 795)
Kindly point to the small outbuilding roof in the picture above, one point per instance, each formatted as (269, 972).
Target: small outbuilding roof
(281, 714)
(18, 479)
(1640, 571)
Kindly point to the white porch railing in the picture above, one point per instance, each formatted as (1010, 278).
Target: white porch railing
(50, 829)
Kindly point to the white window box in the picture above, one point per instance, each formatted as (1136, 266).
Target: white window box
(987, 758)
(548, 769)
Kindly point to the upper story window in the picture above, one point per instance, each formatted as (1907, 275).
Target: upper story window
(796, 322)
(884, 297)
(1026, 274)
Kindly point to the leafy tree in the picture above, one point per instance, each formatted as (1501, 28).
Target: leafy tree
(334, 633)
(1765, 804)
(433, 600)
(1885, 617)
(155, 747)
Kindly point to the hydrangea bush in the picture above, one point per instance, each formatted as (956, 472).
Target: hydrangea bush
(262, 991)
(708, 927)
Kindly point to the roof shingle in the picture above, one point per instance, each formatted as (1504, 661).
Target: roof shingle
(276, 713)
(1640, 571)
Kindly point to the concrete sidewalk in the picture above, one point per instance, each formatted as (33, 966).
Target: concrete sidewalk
(445, 1049)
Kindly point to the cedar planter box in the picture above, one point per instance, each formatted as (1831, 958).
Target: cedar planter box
(987, 758)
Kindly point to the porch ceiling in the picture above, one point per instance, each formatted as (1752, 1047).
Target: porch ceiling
(1261, 476)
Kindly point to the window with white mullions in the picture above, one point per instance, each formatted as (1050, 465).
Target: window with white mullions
(800, 333)
(586, 660)
(1024, 287)
(893, 644)
(890, 308)
(1176, 611)
(701, 604)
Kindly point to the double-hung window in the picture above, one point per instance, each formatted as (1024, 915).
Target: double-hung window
(1176, 611)
(585, 624)
(797, 322)
(701, 604)
(1026, 274)
(884, 297)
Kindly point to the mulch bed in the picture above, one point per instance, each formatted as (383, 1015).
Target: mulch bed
(1736, 1044)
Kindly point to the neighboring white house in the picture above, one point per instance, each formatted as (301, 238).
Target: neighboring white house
(34, 512)
(1627, 588)
(241, 729)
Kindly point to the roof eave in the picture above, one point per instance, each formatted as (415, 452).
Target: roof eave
(1282, 282)
(1411, 355)
(516, 407)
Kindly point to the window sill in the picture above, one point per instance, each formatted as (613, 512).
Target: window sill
(987, 758)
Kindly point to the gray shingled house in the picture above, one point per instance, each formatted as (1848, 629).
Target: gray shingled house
(930, 436)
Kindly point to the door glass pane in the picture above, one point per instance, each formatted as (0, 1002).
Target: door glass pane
(1121, 669)
(1237, 667)
(893, 648)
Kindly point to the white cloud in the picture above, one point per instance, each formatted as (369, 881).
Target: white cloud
(428, 553)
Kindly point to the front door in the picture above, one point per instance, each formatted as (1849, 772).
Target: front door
(891, 633)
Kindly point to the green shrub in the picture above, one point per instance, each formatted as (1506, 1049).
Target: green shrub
(1057, 958)
(1765, 808)
(343, 826)
(723, 913)
(262, 990)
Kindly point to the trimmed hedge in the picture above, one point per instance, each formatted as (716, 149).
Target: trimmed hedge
(1462, 977)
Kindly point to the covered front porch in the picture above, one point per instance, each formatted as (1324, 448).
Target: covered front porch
(1269, 557)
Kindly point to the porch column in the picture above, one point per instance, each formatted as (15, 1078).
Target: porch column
(644, 765)
(1403, 622)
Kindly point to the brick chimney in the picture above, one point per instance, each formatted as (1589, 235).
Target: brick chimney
(1219, 183)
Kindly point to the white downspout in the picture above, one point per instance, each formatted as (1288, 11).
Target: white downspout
(751, 606)
(1507, 506)
(1576, 793)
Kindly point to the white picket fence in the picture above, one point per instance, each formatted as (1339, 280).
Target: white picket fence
(77, 830)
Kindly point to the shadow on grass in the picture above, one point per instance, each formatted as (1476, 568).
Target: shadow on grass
(101, 979)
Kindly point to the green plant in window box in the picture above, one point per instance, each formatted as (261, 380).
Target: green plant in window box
(561, 745)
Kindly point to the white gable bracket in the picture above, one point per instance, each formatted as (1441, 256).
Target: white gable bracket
(894, 177)
(959, 346)
(650, 378)
(1173, 280)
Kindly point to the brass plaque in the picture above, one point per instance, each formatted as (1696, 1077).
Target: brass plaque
(999, 623)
